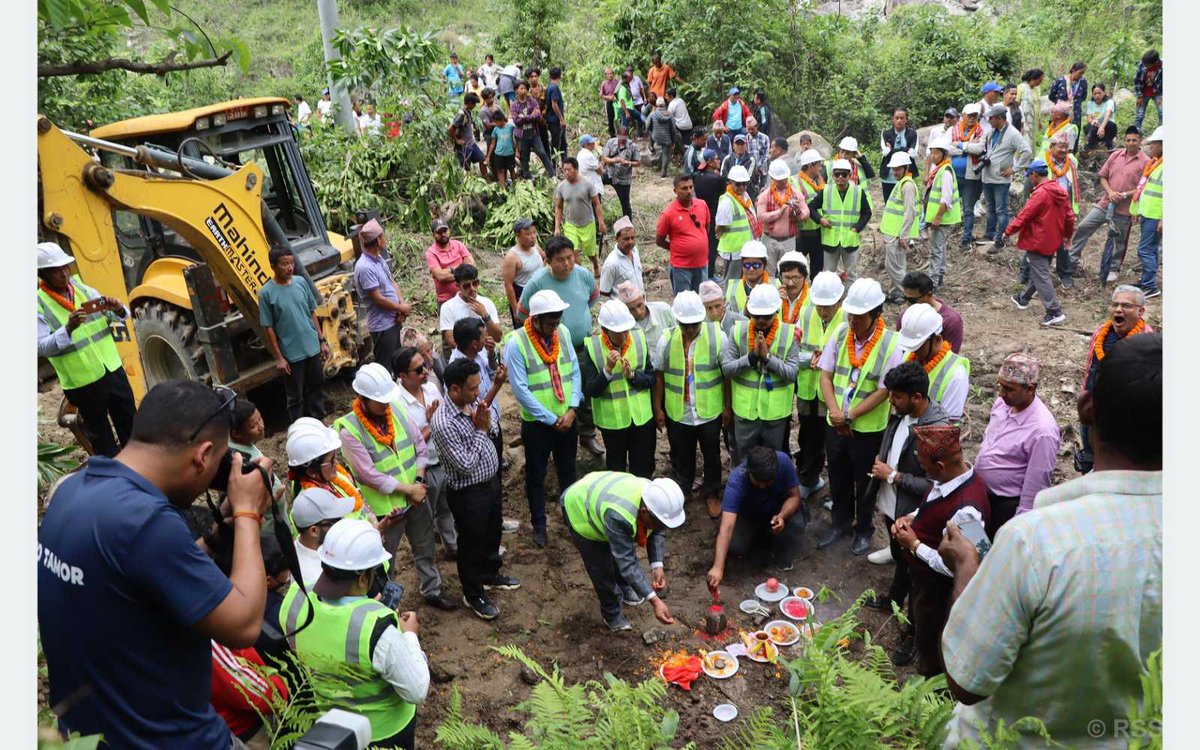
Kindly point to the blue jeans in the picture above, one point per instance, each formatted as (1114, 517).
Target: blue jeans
(687, 279)
(1141, 112)
(996, 197)
(1149, 248)
(970, 190)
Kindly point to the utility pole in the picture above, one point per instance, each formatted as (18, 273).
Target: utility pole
(327, 10)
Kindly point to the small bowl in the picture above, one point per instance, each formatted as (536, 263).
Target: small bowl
(749, 606)
(808, 608)
(725, 712)
(803, 592)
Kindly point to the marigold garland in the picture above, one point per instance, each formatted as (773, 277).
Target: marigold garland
(341, 480)
(1151, 166)
(855, 361)
(780, 202)
(791, 313)
(1098, 347)
(547, 357)
(935, 359)
(816, 186)
(67, 303)
(744, 202)
(388, 436)
(1051, 129)
(1054, 170)
(753, 336)
(609, 345)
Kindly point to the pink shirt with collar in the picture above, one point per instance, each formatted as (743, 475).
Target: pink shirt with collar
(453, 255)
(1019, 451)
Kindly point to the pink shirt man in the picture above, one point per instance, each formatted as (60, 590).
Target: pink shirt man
(1018, 453)
(446, 257)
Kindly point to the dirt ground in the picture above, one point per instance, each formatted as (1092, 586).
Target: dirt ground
(554, 617)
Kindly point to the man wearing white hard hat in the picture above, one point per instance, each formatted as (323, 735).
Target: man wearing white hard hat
(604, 511)
(312, 454)
(73, 333)
(780, 208)
(899, 225)
(943, 209)
(653, 319)
(860, 169)
(761, 359)
(822, 316)
(350, 627)
(543, 370)
(1148, 205)
(949, 373)
(842, 209)
(754, 271)
(853, 366)
(811, 181)
(387, 456)
(692, 398)
(967, 145)
(619, 379)
(315, 511)
(736, 223)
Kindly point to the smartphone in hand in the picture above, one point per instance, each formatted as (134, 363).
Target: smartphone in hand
(392, 593)
(973, 530)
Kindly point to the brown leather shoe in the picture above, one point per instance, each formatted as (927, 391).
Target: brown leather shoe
(714, 506)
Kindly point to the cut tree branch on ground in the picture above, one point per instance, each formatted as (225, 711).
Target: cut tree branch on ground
(133, 66)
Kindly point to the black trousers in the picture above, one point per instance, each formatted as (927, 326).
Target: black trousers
(476, 511)
(630, 449)
(808, 242)
(386, 344)
(532, 141)
(110, 397)
(850, 459)
(901, 582)
(1003, 509)
(610, 115)
(753, 533)
(623, 196)
(305, 388)
(712, 251)
(683, 440)
(558, 140)
(928, 609)
(541, 441)
(811, 442)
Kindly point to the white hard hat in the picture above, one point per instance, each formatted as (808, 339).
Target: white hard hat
(738, 174)
(615, 316)
(849, 143)
(317, 504)
(353, 544)
(793, 256)
(778, 170)
(1156, 136)
(900, 159)
(688, 308)
(50, 255)
(841, 164)
(918, 323)
(754, 249)
(309, 439)
(971, 109)
(826, 289)
(940, 140)
(664, 500)
(863, 296)
(374, 382)
(809, 156)
(546, 301)
(763, 300)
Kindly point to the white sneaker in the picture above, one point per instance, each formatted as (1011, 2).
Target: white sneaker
(1112, 276)
(509, 525)
(880, 556)
(828, 504)
(502, 550)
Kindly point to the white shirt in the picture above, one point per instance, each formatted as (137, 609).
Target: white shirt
(323, 106)
(303, 112)
(416, 415)
(589, 163)
(618, 268)
(663, 351)
(490, 75)
(885, 499)
(398, 658)
(679, 114)
(370, 125)
(310, 564)
(456, 308)
(659, 319)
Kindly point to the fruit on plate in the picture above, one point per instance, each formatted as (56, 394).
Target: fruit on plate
(783, 633)
(772, 585)
(795, 608)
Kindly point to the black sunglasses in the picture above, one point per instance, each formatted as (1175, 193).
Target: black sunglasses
(694, 219)
(753, 266)
(228, 396)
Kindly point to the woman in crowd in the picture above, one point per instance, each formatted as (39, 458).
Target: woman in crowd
(1099, 113)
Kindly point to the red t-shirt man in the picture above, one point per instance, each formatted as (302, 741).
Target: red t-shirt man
(442, 259)
(683, 230)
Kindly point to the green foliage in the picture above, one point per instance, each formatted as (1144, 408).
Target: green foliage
(1145, 718)
(529, 30)
(390, 62)
(53, 462)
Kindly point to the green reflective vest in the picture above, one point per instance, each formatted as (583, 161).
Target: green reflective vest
(736, 295)
(809, 192)
(953, 214)
(893, 213)
(939, 376)
(815, 335)
(870, 378)
(398, 461)
(538, 374)
(738, 233)
(341, 634)
(762, 395)
(619, 406)
(589, 499)
(92, 352)
(707, 382)
(842, 212)
(1070, 128)
(1149, 203)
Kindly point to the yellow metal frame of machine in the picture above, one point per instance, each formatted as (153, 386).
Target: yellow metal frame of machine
(220, 219)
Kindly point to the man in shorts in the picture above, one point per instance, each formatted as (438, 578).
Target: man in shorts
(577, 213)
(462, 130)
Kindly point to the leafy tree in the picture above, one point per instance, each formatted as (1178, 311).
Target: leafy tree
(530, 29)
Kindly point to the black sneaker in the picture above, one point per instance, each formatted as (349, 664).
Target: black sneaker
(1020, 303)
(482, 607)
(1054, 319)
(1152, 293)
(442, 601)
(905, 652)
(502, 583)
(832, 536)
(539, 536)
(879, 603)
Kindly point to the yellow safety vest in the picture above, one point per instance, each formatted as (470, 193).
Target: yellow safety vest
(763, 395)
(92, 352)
(619, 406)
(814, 337)
(398, 461)
(870, 377)
(843, 213)
(893, 213)
(588, 500)
(707, 382)
(738, 233)
(538, 374)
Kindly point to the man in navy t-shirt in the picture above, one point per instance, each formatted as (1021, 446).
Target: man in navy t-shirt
(127, 603)
(761, 509)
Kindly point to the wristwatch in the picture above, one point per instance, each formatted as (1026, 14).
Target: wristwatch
(419, 480)
(892, 477)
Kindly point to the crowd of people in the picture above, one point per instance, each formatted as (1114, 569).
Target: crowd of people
(788, 339)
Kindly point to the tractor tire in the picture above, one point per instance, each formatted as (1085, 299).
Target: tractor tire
(167, 342)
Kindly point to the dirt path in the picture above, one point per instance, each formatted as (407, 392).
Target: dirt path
(555, 617)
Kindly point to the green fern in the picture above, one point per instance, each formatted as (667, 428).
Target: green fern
(1145, 720)
(455, 733)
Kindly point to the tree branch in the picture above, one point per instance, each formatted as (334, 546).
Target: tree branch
(133, 66)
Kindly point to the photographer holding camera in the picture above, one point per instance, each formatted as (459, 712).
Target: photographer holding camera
(127, 602)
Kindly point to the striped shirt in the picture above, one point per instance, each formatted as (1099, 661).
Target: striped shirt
(468, 455)
(1063, 612)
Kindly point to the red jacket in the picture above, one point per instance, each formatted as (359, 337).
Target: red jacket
(1046, 221)
(722, 112)
(242, 694)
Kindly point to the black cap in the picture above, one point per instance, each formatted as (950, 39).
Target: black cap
(522, 223)
(950, 112)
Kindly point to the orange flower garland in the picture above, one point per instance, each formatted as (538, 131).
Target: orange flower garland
(961, 134)
(816, 186)
(1098, 348)
(388, 436)
(547, 357)
(744, 202)
(857, 362)
(341, 480)
(1054, 170)
(781, 201)
(609, 345)
(67, 304)
(753, 336)
(1151, 166)
(791, 313)
(935, 359)
(1051, 129)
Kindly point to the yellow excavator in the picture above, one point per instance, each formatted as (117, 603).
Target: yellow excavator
(175, 215)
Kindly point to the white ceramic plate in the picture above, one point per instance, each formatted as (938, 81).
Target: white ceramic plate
(803, 592)
(728, 657)
(803, 602)
(725, 712)
(772, 649)
(792, 629)
(761, 592)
